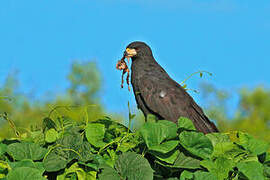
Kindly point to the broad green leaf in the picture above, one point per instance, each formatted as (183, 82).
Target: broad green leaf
(95, 134)
(108, 173)
(252, 170)
(40, 166)
(3, 148)
(91, 175)
(85, 151)
(97, 162)
(170, 129)
(186, 175)
(4, 165)
(76, 169)
(196, 143)
(51, 135)
(168, 157)
(217, 138)
(27, 163)
(186, 124)
(186, 162)
(48, 123)
(133, 166)
(220, 168)
(54, 162)
(25, 173)
(266, 171)
(37, 137)
(151, 118)
(222, 145)
(71, 139)
(201, 175)
(20, 151)
(253, 145)
(125, 146)
(154, 133)
(165, 147)
(267, 159)
(228, 150)
(129, 142)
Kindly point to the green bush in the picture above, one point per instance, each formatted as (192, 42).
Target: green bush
(106, 150)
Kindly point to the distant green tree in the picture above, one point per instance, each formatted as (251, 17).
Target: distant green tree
(85, 82)
(252, 114)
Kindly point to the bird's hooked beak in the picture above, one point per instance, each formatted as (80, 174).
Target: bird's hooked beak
(130, 53)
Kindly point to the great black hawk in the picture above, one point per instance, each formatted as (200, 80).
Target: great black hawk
(158, 94)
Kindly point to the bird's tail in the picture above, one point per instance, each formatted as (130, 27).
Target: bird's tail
(202, 123)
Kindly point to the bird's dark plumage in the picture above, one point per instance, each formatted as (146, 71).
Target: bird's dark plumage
(156, 93)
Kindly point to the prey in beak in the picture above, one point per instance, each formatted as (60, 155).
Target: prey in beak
(129, 53)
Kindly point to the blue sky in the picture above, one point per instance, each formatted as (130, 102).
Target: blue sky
(228, 38)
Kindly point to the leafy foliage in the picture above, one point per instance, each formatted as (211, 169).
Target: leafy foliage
(104, 149)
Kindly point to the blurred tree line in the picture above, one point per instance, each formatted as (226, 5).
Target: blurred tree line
(82, 100)
(251, 115)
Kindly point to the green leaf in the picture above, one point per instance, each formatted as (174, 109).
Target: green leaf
(200, 175)
(154, 133)
(95, 134)
(85, 151)
(78, 172)
(133, 166)
(20, 151)
(54, 162)
(196, 143)
(27, 163)
(185, 123)
(51, 135)
(151, 118)
(168, 157)
(170, 129)
(186, 175)
(108, 173)
(217, 138)
(125, 146)
(165, 147)
(253, 145)
(48, 123)
(266, 171)
(267, 159)
(3, 148)
(186, 162)
(251, 169)
(227, 149)
(184, 86)
(25, 173)
(220, 168)
(37, 137)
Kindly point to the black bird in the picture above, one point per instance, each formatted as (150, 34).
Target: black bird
(158, 94)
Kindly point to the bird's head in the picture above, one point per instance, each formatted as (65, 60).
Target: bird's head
(137, 49)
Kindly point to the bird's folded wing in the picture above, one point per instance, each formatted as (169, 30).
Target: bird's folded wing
(169, 100)
(163, 97)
